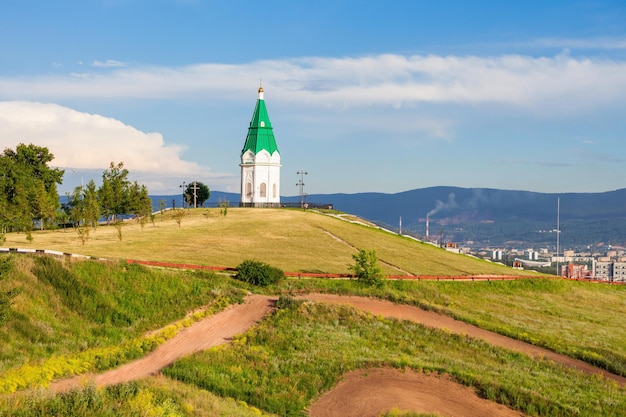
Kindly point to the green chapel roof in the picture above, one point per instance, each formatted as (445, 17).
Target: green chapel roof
(260, 133)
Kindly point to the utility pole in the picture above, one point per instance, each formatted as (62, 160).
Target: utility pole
(300, 184)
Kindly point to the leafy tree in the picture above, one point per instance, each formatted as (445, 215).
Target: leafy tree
(366, 268)
(62, 217)
(178, 215)
(258, 273)
(114, 192)
(28, 187)
(223, 204)
(91, 204)
(83, 206)
(202, 193)
(76, 206)
(118, 224)
(44, 205)
(83, 232)
(140, 204)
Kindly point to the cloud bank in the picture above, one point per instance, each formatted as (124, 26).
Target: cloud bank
(398, 99)
(89, 141)
(534, 83)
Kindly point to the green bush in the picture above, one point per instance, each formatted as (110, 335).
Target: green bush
(366, 268)
(258, 273)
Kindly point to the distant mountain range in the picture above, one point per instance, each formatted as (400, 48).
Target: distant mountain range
(484, 217)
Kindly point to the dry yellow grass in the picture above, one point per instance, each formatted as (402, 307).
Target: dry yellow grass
(292, 240)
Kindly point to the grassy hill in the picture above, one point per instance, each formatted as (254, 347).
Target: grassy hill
(74, 316)
(292, 240)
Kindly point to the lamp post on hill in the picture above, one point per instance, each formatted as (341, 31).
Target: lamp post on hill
(300, 184)
(184, 189)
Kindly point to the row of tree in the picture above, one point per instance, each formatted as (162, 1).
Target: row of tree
(117, 196)
(29, 196)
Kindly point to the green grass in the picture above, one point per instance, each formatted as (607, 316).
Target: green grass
(569, 317)
(301, 351)
(68, 308)
(292, 240)
(155, 396)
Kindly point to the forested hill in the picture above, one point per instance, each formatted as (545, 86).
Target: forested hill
(486, 216)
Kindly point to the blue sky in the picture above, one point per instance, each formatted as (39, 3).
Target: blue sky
(383, 96)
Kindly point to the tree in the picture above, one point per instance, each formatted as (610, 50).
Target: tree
(28, 189)
(223, 204)
(76, 206)
(114, 192)
(366, 268)
(62, 217)
(91, 204)
(202, 193)
(178, 215)
(139, 202)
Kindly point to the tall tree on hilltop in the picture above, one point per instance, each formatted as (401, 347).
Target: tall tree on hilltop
(114, 192)
(28, 187)
(140, 203)
(91, 204)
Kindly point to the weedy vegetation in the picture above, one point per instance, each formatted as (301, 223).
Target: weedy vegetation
(301, 351)
(65, 317)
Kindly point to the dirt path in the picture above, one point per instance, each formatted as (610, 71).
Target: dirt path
(406, 390)
(202, 335)
(431, 319)
(370, 392)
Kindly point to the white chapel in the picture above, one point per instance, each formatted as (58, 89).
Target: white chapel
(260, 161)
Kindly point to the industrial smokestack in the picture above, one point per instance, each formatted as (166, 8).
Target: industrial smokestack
(427, 226)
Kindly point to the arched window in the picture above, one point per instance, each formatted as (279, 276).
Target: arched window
(263, 190)
(249, 190)
(274, 190)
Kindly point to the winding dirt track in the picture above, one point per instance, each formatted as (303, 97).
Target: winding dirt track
(212, 331)
(406, 390)
(431, 319)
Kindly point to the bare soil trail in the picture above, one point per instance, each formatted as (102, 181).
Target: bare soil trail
(432, 319)
(211, 331)
(361, 393)
(370, 392)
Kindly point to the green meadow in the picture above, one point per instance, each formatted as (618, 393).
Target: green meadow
(75, 316)
(292, 240)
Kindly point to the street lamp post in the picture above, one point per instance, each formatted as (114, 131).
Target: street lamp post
(184, 192)
(82, 180)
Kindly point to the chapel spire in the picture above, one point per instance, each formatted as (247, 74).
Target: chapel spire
(260, 160)
(260, 90)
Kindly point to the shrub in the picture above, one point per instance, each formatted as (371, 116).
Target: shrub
(258, 273)
(366, 268)
(285, 302)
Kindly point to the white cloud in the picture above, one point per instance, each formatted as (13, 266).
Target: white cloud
(86, 141)
(109, 63)
(555, 84)
(592, 43)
